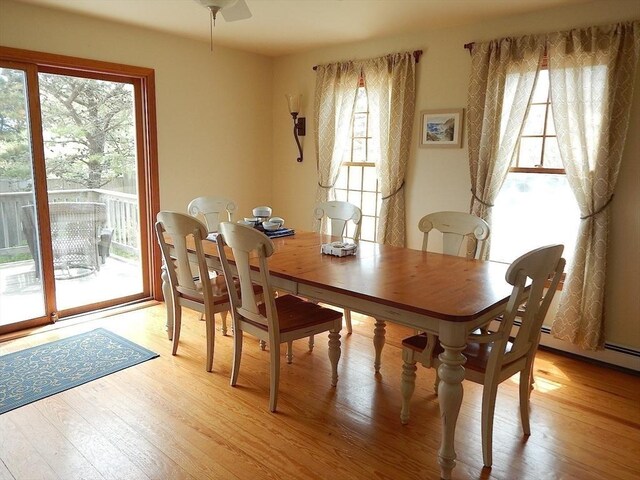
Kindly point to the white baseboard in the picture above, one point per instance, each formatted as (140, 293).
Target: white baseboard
(612, 354)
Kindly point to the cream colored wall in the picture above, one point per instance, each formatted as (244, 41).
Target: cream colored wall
(438, 179)
(214, 109)
(224, 128)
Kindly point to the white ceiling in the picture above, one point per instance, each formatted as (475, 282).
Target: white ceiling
(280, 27)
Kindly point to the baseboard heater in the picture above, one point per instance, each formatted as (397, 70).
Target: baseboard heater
(617, 356)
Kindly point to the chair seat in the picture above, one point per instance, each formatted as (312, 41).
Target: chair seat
(295, 313)
(477, 354)
(218, 290)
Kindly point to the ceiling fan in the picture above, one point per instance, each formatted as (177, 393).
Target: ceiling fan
(231, 10)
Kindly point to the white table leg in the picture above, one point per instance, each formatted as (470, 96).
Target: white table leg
(168, 301)
(379, 333)
(451, 372)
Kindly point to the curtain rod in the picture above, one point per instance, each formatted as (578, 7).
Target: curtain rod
(416, 55)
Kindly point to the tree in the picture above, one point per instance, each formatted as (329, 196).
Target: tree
(15, 155)
(88, 129)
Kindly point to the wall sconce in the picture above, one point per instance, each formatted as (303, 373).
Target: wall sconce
(299, 124)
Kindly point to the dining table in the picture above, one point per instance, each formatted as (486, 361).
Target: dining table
(446, 295)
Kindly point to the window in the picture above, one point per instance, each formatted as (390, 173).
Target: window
(535, 206)
(357, 182)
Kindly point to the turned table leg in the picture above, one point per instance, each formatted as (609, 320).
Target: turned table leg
(379, 333)
(451, 373)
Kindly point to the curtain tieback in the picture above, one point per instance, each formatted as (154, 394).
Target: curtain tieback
(322, 186)
(599, 210)
(479, 200)
(392, 194)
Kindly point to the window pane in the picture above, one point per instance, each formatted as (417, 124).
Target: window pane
(552, 153)
(355, 198)
(534, 124)
(359, 153)
(360, 125)
(551, 126)
(541, 92)
(533, 210)
(342, 178)
(369, 180)
(368, 231)
(355, 178)
(369, 204)
(361, 100)
(341, 195)
(530, 152)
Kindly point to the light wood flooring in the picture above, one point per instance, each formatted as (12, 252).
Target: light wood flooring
(170, 419)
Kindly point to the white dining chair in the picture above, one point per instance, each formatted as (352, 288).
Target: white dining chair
(338, 214)
(198, 292)
(275, 320)
(455, 228)
(492, 357)
(213, 210)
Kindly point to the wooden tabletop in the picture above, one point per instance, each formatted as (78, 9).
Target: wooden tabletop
(440, 286)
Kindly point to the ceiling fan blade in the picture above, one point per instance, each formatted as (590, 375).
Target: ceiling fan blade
(237, 11)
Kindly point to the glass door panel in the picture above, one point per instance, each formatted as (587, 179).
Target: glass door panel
(89, 135)
(22, 290)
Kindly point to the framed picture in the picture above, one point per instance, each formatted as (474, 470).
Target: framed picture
(441, 128)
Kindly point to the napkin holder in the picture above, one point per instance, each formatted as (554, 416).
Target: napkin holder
(339, 249)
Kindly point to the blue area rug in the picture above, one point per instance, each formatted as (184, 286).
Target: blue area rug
(42, 371)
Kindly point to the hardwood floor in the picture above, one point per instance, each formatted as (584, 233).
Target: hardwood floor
(170, 419)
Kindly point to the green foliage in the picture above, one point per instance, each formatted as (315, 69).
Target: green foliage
(88, 128)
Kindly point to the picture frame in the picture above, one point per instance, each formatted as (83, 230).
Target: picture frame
(441, 128)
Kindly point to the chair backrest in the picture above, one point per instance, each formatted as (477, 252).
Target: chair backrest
(182, 228)
(529, 275)
(455, 227)
(247, 243)
(339, 213)
(213, 210)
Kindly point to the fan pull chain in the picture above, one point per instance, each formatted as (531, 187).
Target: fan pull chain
(212, 22)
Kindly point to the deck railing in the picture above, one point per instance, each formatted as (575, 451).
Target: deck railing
(122, 216)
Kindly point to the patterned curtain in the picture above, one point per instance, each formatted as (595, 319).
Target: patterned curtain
(592, 72)
(335, 96)
(503, 74)
(391, 91)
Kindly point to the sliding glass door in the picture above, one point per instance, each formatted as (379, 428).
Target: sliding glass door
(22, 292)
(75, 194)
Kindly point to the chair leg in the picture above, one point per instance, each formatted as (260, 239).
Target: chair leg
(408, 383)
(237, 356)
(210, 327)
(290, 352)
(334, 354)
(224, 315)
(436, 382)
(311, 342)
(488, 408)
(347, 320)
(274, 377)
(177, 323)
(525, 391)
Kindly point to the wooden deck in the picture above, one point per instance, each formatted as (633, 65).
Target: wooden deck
(170, 419)
(21, 294)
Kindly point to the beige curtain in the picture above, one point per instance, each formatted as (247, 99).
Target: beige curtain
(503, 74)
(591, 79)
(391, 90)
(335, 95)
